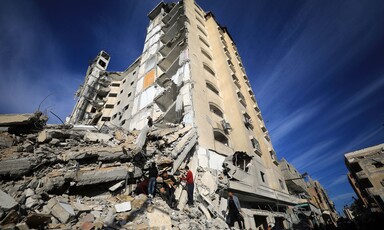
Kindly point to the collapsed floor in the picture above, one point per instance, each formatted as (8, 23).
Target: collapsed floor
(65, 177)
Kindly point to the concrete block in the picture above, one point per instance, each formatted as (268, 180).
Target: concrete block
(205, 211)
(62, 211)
(6, 201)
(97, 137)
(123, 207)
(30, 202)
(209, 181)
(16, 167)
(102, 175)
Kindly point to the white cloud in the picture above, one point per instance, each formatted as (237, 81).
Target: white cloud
(339, 180)
(343, 196)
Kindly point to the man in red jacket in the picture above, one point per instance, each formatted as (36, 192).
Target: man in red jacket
(190, 185)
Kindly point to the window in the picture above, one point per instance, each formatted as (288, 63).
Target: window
(203, 41)
(129, 94)
(247, 121)
(123, 122)
(206, 54)
(102, 63)
(198, 19)
(214, 109)
(134, 72)
(124, 81)
(109, 106)
(118, 103)
(105, 119)
(262, 175)
(211, 87)
(199, 13)
(121, 91)
(220, 137)
(113, 95)
(114, 116)
(377, 164)
(132, 83)
(281, 184)
(209, 70)
(256, 145)
(202, 31)
(115, 84)
(126, 107)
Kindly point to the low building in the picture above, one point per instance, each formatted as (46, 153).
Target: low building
(366, 175)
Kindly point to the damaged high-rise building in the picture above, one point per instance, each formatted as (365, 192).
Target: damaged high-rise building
(190, 73)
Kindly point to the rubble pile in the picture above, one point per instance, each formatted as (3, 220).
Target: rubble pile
(76, 177)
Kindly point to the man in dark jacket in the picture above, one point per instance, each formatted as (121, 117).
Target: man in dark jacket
(234, 209)
(169, 182)
(153, 173)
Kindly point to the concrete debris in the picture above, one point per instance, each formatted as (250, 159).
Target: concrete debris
(61, 177)
(6, 201)
(123, 207)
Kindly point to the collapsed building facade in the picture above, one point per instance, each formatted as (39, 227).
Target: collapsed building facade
(186, 100)
(190, 72)
(366, 176)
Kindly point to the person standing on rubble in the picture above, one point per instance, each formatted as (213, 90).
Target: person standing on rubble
(190, 185)
(169, 187)
(234, 209)
(153, 173)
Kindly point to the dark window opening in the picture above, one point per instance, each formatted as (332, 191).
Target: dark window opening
(118, 103)
(123, 122)
(115, 84)
(112, 95)
(102, 63)
(105, 119)
(262, 176)
(221, 138)
(203, 41)
(109, 106)
(202, 31)
(121, 91)
(206, 54)
(126, 107)
(129, 94)
(214, 109)
(209, 70)
(132, 83)
(93, 110)
(212, 88)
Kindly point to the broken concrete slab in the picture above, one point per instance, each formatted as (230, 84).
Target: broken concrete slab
(62, 211)
(97, 137)
(6, 201)
(16, 167)
(116, 186)
(209, 181)
(11, 218)
(101, 175)
(123, 207)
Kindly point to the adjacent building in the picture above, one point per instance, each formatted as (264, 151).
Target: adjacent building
(366, 175)
(190, 72)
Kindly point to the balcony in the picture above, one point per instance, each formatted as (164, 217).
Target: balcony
(266, 136)
(172, 32)
(174, 43)
(178, 21)
(176, 10)
(241, 98)
(227, 53)
(173, 55)
(257, 108)
(263, 128)
(259, 116)
(230, 65)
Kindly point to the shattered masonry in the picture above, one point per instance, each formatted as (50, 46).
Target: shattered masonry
(185, 101)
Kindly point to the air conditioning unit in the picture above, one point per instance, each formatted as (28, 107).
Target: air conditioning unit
(226, 125)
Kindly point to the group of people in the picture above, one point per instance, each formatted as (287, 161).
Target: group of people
(169, 185)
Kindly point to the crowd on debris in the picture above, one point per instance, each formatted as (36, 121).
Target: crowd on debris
(79, 177)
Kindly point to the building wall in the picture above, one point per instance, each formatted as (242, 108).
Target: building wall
(366, 175)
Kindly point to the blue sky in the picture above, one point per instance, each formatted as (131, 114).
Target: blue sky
(316, 67)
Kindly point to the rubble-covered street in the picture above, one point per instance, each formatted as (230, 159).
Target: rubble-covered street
(76, 177)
